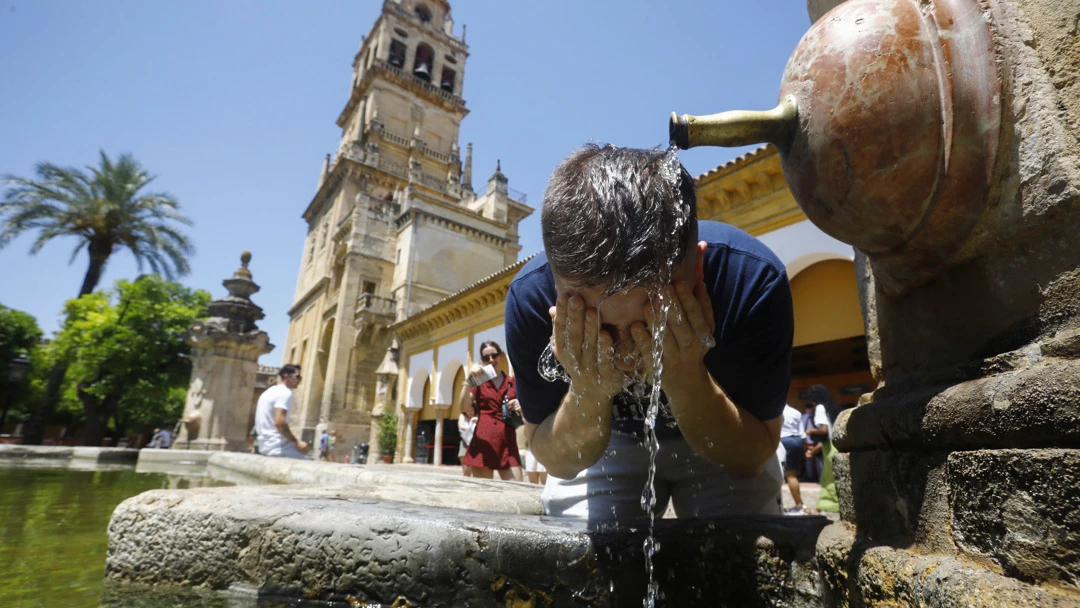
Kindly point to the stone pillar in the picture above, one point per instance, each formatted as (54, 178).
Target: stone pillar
(225, 352)
(410, 436)
(440, 417)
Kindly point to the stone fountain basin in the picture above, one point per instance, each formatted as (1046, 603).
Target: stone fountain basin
(378, 534)
(333, 543)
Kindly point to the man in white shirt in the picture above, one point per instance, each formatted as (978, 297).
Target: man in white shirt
(272, 417)
(792, 437)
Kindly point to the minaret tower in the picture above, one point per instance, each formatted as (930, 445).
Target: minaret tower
(391, 228)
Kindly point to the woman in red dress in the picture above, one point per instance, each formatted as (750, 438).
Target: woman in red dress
(494, 445)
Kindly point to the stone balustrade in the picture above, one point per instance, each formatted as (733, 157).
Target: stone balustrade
(371, 303)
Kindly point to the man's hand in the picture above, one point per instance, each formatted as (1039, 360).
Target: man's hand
(688, 333)
(584, 350)
(576, 435)
(303, 446)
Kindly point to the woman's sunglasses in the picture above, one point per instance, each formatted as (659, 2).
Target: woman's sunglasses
(491, 357)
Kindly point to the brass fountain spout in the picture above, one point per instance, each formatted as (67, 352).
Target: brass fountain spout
(737, 128)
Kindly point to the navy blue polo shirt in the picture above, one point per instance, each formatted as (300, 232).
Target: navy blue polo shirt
(752, 308)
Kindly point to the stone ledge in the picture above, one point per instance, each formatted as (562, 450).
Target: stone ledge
(48, 452)
(188, 457)
(329, 543)
(394, 482)
(1026, 407)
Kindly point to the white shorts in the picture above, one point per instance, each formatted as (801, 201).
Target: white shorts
(532, 465)
(612, 488)
(287, 450)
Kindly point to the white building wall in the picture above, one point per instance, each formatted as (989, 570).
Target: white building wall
(419, 370)
(802, 244)
(452, 357)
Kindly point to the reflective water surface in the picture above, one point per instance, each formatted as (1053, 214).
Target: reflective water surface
(53, 522)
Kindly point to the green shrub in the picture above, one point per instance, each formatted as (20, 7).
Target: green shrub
(388, 433)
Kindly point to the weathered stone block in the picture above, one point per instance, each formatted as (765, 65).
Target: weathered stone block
(1020, 509)
(895, 498)
(1029, 400)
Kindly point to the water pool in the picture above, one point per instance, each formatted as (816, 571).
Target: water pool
(53, 522)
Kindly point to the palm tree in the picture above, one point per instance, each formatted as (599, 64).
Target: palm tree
(105, 209)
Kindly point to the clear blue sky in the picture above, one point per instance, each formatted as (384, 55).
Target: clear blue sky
(232, 105)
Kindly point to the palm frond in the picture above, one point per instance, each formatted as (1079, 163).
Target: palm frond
(104, 207)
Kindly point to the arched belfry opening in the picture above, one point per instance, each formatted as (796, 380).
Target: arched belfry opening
(422, 65)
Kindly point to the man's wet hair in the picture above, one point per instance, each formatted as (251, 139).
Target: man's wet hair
(288, 370)
(615, 218)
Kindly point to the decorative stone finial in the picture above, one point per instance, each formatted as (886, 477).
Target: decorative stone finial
(236, 311)
(498, 165)
(466, 174)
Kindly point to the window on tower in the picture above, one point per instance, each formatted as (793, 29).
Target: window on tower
(397, 53)
(447, 81)
(422, 66)
(423, 13)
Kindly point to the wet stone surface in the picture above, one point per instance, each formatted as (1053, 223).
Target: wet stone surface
(331, 544)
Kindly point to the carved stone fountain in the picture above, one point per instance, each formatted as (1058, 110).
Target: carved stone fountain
(942, 139)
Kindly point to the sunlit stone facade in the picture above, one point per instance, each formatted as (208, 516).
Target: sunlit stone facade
(395, 224)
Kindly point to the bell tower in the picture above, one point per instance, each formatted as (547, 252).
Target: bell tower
(394, 225)
(406, 95)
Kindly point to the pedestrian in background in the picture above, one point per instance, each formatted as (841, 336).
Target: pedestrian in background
(494, 444)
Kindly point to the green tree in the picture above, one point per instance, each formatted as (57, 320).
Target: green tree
(105, 208)
(127, 358)
(388, 433)
(19, 337)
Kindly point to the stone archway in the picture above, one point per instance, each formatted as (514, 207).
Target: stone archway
(829, 342)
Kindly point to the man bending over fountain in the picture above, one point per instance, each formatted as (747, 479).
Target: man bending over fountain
(629, 278)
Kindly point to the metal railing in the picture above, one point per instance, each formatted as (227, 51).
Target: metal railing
(512, 194)
(517, 195)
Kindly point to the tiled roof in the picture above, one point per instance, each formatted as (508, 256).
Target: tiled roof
(737, 161)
